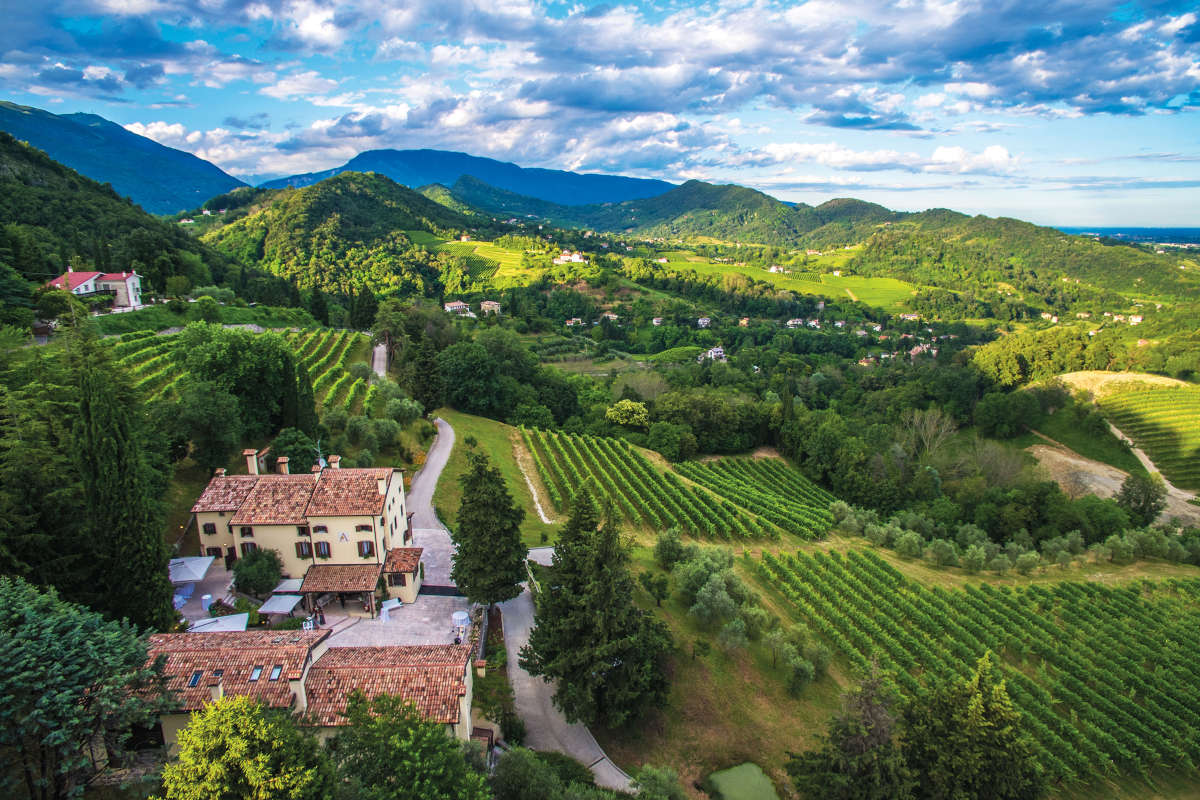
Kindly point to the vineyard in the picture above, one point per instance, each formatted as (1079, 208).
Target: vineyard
(326, 354)
(1165, 422)
(1104, 677)
(769, 487)
(483, 259)
(636, 490)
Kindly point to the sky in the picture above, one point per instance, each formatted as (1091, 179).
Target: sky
(1062, 113)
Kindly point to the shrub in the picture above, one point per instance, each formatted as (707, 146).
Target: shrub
(974, 559)
(910, 544)
(668, 549)
(403, 410)
(257, 572)
(1028, 562)
(1000, 564)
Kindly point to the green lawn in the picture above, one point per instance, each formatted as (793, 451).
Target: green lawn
(499, 442)
(884, 292)
(1104, 447)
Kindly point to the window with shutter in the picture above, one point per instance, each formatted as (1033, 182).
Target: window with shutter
(247, 531)
(322, 549)
(362, 528)
(303, 549)
(302, 530)
(210, 527)
(248, 548)
(366, 549)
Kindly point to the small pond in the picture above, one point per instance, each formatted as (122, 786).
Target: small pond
(743, 782)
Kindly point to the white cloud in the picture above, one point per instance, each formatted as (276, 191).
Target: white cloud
(298, 84)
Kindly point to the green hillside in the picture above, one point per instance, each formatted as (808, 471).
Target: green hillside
(341, 234)
(51, 215)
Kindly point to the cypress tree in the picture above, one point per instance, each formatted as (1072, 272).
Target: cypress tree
(124, 526)
(964, 739)
(424, 378)
(306, 402)
(604, 654)
(489, 557)
(363, 309)
(318, 306)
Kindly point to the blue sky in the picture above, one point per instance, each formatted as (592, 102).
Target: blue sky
(1058, 112)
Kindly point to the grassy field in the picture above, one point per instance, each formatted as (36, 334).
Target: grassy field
(1063, 428)
(497, 440)
(888, 293)
(1101, 383)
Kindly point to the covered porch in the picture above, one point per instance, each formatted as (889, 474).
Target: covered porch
(351, 586)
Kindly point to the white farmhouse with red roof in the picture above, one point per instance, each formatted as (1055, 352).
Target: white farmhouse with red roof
(126, 287)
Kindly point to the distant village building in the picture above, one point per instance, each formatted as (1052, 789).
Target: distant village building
(656, 321)
(841, 323)
(1135, 319)
(814, 323)
(610, 316)
(573, 321)
(744, 322)
(206, 212)
(660, 260)
(570, 258)
(911, 317)
(490, 307)
(703, 322)
(125, 287)
(457, 307)
(715, 354)
(466, 237)
(795, 322)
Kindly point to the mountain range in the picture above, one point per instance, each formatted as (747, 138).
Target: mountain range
(416, 168)
(160, 179)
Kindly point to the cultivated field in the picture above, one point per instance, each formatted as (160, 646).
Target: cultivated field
(485, 260)
(1104, 676)
(1165, 422)
(157, 368)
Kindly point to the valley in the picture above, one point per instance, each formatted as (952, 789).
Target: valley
(781, 451)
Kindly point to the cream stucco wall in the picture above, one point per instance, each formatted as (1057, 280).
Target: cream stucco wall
(282, 539)
(172, 724)
(222, 538)
(409, 591)
(343, 539)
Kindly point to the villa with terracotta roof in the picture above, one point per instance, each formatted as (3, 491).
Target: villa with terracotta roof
(267, 666)
(125, 287)
(437, 679)
(335, 528)
(298, 671)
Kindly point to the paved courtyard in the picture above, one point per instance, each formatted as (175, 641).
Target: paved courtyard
(427, 621)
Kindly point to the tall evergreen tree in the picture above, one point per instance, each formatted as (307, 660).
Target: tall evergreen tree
(318, 306)
(424, 378)
(964, 740)
(69, 677)
(306, 402)
(363, 309)
(124, 523)
(605, 655)
(489, 557)
(860, 758)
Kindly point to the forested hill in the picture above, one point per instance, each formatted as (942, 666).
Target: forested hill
(51, 215)
(695, 210)
(416, 168)
(340, 235)
(160, 179)
(943, 248)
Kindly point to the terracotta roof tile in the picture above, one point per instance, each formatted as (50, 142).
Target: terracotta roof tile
(236, 654)
(225, 493)
(432, 677)
(71, 280)
(341, 578)
(276, 500)
(348, 492)
(403, 559)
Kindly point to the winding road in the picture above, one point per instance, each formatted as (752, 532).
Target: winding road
(546, 727)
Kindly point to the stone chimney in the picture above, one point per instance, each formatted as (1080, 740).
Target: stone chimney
(315, 468)
(281, 465)
(251, 460)
(382, 485)
(216, 689)
(335, 462)
(219, 472)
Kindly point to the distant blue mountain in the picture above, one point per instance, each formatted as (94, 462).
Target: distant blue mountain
(161, 179)
(417, 168)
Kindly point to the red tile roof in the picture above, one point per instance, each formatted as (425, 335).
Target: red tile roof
(225, 493)
(236, 654)
(349, 492)
(72, 280)
(403, 559)
(276, 500)
(116, 276)
(341, 578)
(432, 677)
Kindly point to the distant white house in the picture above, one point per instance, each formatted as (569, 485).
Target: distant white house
(125, 287)
(703, 322)
(573, 321)
(570, 258)
(656, 321)
(715, 354)
(489, 307)
(457, 307)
